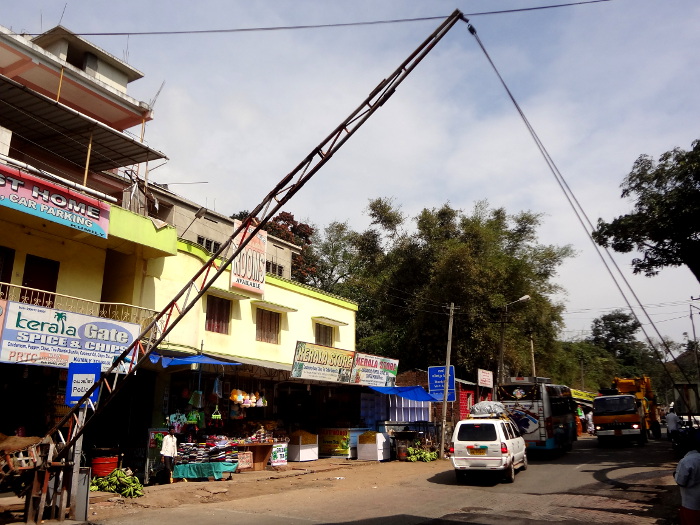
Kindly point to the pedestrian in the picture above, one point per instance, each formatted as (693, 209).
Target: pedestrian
(169, 451)
(687, 475)
(581, 417)
(589, 422)
(672, 423)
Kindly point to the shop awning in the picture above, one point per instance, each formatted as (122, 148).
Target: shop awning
(266, 364)
(190, 360)
(414, 393)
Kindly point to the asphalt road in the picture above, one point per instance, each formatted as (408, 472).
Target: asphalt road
(631, 485)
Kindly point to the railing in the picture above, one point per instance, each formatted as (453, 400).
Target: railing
(127, 313)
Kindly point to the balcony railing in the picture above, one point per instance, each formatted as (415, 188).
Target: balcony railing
(126, 313)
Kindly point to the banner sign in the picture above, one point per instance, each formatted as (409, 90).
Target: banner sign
(51, 202)
(81, 376)
(485, 378)
(436, 382)
(334, 442)
(249, 267)
(582, 394)
(322, 363)
(35, 335)
(372, 370)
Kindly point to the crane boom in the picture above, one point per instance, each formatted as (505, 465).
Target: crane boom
(164, 321)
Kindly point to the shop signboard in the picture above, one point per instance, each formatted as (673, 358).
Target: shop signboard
(249, 267)
(333, 442)
(82, 376)
(35, 335)
(51, 202)
(372, 370)
(436, 381)
(322, 363)
(485, 378)
(279, 454)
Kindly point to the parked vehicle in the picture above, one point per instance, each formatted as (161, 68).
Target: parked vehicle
(488, 441)
(626, 411)
(545, 413)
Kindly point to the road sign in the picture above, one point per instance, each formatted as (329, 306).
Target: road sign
(81, 376)
(436, 382)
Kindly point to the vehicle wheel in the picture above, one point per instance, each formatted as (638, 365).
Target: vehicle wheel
(461, 475)
(524, 465)
(509, 474)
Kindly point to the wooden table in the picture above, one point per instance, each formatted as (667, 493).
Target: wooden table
(261, 453)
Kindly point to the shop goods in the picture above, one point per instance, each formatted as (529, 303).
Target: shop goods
(302, 437)
(120, 482)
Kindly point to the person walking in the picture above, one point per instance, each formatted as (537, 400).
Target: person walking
(672, 423)
(169, 451)
(687, 475)
(589, 422)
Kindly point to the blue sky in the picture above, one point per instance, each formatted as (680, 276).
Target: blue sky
(600, 83)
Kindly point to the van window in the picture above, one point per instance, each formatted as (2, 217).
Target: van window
(476, 432)
(507, 431)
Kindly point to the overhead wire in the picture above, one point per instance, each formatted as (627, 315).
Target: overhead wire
(324, 26)
(582, 217)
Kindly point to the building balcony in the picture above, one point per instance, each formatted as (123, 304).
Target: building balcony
(127, 313)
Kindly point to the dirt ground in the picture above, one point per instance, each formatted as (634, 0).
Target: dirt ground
(355, 474)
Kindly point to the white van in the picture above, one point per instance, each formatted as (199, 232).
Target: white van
(487, 443)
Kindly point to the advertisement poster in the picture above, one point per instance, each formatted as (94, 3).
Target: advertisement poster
(249, 267)
(279, 454)
(28, 194)
(36, 335)
(334, 442)
(372, 370)
(322, 363)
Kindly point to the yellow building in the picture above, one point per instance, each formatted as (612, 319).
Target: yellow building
(89, 246)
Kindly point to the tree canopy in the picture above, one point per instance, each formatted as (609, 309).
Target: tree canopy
(664, 225)
(481, 261)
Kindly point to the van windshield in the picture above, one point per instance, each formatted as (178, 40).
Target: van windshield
(519, 392)
(477, 432)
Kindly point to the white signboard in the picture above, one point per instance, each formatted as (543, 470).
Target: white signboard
(372, 370)
(485, 378)
(35, 335)
(249, 267)
(322, 363)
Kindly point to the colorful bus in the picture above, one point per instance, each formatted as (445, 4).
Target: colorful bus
(545, 413)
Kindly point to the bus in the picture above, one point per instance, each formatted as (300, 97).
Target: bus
(545, 413)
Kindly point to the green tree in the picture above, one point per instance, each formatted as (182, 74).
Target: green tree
(478, 261)
(664, 225)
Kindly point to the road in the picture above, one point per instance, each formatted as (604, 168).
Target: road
(588, 485)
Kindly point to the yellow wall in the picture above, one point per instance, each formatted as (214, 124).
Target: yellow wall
(81, 266)
(189, 334)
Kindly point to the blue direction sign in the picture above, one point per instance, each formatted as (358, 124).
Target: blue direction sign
(81, 376)
(436, 382)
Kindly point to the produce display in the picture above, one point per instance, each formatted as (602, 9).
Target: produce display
(302, 437)
(120, 481)
(367, 438)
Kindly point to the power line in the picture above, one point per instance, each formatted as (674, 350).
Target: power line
(324, 26)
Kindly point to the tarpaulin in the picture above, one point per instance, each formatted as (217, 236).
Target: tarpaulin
(190, 360)
(414, 393)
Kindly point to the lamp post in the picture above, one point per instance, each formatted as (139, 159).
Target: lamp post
(504, 318)
(447, 381)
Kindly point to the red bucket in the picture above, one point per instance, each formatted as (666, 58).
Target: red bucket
(104, 466)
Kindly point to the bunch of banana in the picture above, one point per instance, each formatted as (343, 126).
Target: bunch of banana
(118, 482)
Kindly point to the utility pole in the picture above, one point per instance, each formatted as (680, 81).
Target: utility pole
(447, 383)
(532, 355)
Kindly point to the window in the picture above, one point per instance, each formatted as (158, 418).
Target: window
(218, 314)
(274, 268)
(7, 259)
(211, 246)
(40, 274)
(324, 335)
(477, 432)
(267, 326)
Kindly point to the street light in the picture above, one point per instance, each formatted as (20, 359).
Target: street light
(504, 317)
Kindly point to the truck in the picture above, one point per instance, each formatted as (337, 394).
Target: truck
(626, 411)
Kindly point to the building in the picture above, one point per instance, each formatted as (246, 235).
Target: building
(91, 250)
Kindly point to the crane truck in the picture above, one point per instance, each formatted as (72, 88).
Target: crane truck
(626, 411)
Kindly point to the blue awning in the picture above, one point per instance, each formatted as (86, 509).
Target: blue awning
(190, 360)
(414, 393)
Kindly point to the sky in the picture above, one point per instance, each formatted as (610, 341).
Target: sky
(600, 83)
